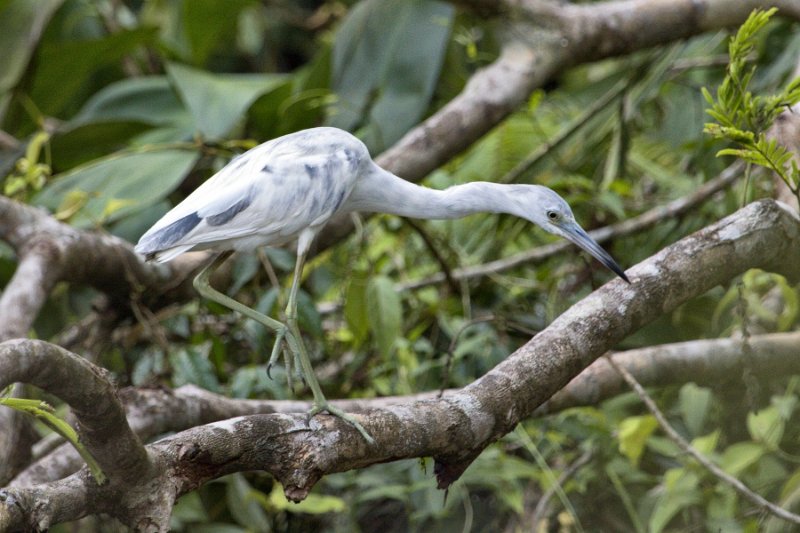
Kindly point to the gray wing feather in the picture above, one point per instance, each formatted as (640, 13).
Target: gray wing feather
(272, 192)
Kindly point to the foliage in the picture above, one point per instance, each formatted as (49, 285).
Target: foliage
(744, 118)
(122, 108)
(45, 413)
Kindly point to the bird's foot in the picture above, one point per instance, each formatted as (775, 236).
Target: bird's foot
(283, 343)
(335, 411)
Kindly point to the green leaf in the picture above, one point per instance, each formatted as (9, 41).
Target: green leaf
(189, 508)
(218, 102)
(140, 179)
(244, 504)
(21, 24)
(738, 457)
(308, 317)
(313, 504)
(633, 434)
(79, 145)
(192, 365)
(766, 426)
(65, 67)
(385, 310)
(45, 413)
(148, 99)
(680, 491)
(694, 402)
(707, 443)
(386, 60)
(211, 25)
(355, 308)
(217, 527)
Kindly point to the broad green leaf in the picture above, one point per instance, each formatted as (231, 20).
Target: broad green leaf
(301, 103)
(386, 60)
(193, 366)
(218, 102)
(81, 144)
(188, 508)
(738, 457)
(244, 269)
(387, 491)
(766, 426)
(217, 527)
(355, 308)
(694, 402)
(785, 405)
(680, 491)
(792, 485)
(260, 335)
(148, 99)
(65, 68)
(21, 24)
(308, 317)
(385, 310)
(211, 25)
(252, 380)
(633, 434)
(313, 504)
(272, 114)
(148, 366)
(139, 179)
(244, 504)
(707, 443)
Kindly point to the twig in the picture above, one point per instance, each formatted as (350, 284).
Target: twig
(544, 501)
(448, 361)
(538, 254)
(627, 227)
(434, 250)
(565, 133)
(723, 476)
(268, 268)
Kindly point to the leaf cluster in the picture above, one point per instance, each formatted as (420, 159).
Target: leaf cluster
(742, 117)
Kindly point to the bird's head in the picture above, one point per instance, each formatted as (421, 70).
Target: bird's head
(548, 210)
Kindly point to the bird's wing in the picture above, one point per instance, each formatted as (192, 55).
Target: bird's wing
(273, 192)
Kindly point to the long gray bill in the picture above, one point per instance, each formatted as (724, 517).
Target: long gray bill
(577, 235)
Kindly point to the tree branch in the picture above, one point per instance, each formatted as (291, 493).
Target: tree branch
(457, 427)
(558, 36)
(89, 392)
(687, 448)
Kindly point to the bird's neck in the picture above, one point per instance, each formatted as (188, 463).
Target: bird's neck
(381, 191)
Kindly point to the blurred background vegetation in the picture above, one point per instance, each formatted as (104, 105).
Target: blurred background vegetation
(119, 109)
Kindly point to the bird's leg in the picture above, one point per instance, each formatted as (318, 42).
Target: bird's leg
(202, 285)
(301, 357)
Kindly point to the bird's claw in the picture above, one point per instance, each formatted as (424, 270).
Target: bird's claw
(281, 336)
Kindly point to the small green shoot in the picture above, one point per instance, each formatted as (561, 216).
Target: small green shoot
(46, 414)
(29, 175)
(744, 118)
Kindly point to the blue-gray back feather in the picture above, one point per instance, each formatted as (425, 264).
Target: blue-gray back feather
(268, 195)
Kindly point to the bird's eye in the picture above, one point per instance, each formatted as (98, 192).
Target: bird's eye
(552, 215)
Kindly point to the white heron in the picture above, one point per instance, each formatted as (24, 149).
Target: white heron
(290, 187)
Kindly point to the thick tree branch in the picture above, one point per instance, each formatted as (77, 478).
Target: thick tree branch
(49, 252)
(687, 448)
(457, 427)
(558, 36)
(705, 362)
(88, 390)
(99, 260)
